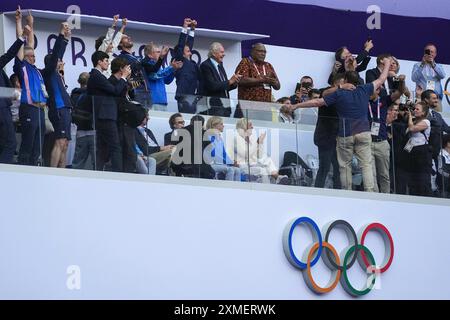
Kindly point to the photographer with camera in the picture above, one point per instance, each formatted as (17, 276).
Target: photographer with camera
(302, 89)
(427, 74)
(416, 155)
(140, 91)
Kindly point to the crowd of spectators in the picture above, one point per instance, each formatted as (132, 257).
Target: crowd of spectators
(399, 140)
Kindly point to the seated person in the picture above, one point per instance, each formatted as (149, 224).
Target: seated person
(148, 150)
(220, 161)
(190, 139)
(286, 112)
(176, 122)
(249, 153)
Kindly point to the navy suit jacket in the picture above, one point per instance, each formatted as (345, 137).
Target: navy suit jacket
(143, 144)
(4, 60)
(439, 122)
(105, 95)
(213, 86)
(188, 77)
(374, 74)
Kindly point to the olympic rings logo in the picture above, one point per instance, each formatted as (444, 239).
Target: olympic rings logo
(322, 248)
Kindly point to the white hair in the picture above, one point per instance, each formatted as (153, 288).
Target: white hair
(214, 47)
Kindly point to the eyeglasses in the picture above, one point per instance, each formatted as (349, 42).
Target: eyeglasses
(179, 122)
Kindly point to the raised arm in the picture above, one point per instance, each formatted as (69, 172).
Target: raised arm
(30, 22)
(19, 32)
(382, 79)
(314, 103)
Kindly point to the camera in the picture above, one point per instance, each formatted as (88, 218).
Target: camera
(428, 52)
(408, 106)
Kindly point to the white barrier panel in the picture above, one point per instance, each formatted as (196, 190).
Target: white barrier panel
(117, 236)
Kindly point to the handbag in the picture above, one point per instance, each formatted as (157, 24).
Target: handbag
(132, 113)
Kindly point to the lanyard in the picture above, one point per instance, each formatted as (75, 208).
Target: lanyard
(378, 109)
(256, 68)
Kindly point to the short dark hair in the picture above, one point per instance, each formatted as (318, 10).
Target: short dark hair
(445, 140)
(172, 119)
(198, 118)
(338, 53)
(13, 78)
(98, 56)
(382, 56)
(338, 77)
(426, 94)
(117, 64)
(99, 42)
(352, 77)
(307, 77)
(283, 99)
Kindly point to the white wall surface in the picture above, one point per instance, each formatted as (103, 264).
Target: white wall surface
(140, 237)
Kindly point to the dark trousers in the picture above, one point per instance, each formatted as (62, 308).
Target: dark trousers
(8, 142)
(128, 142)
(108, 145)
(419, 183)
(327, 157)
(32, 123)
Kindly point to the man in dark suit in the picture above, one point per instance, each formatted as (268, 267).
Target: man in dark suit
(148, 145)
(374, 74)
(188, 76)
(7, 131)
(192, 164)
(215, 80)
(438, 125)
(104, 98)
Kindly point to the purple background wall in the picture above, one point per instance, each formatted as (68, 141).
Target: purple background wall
(292, 25)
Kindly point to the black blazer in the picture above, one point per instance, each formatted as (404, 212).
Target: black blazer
(362, 60)
(142, 142)
(4, 60)
(374, 74)
(168, 139)
(212, 85)
(104, 95)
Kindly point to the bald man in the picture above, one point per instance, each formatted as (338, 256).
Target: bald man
(258, 76)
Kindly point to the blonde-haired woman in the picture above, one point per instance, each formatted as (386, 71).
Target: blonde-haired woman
(220, 161)
(249, 153)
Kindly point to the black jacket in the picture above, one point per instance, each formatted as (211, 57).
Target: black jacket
(212, 85)
(104, 95)
(374, 74)
(142, 143)
(362, 59)
(4, 80)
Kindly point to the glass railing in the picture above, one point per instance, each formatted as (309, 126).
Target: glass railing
(226, 139)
